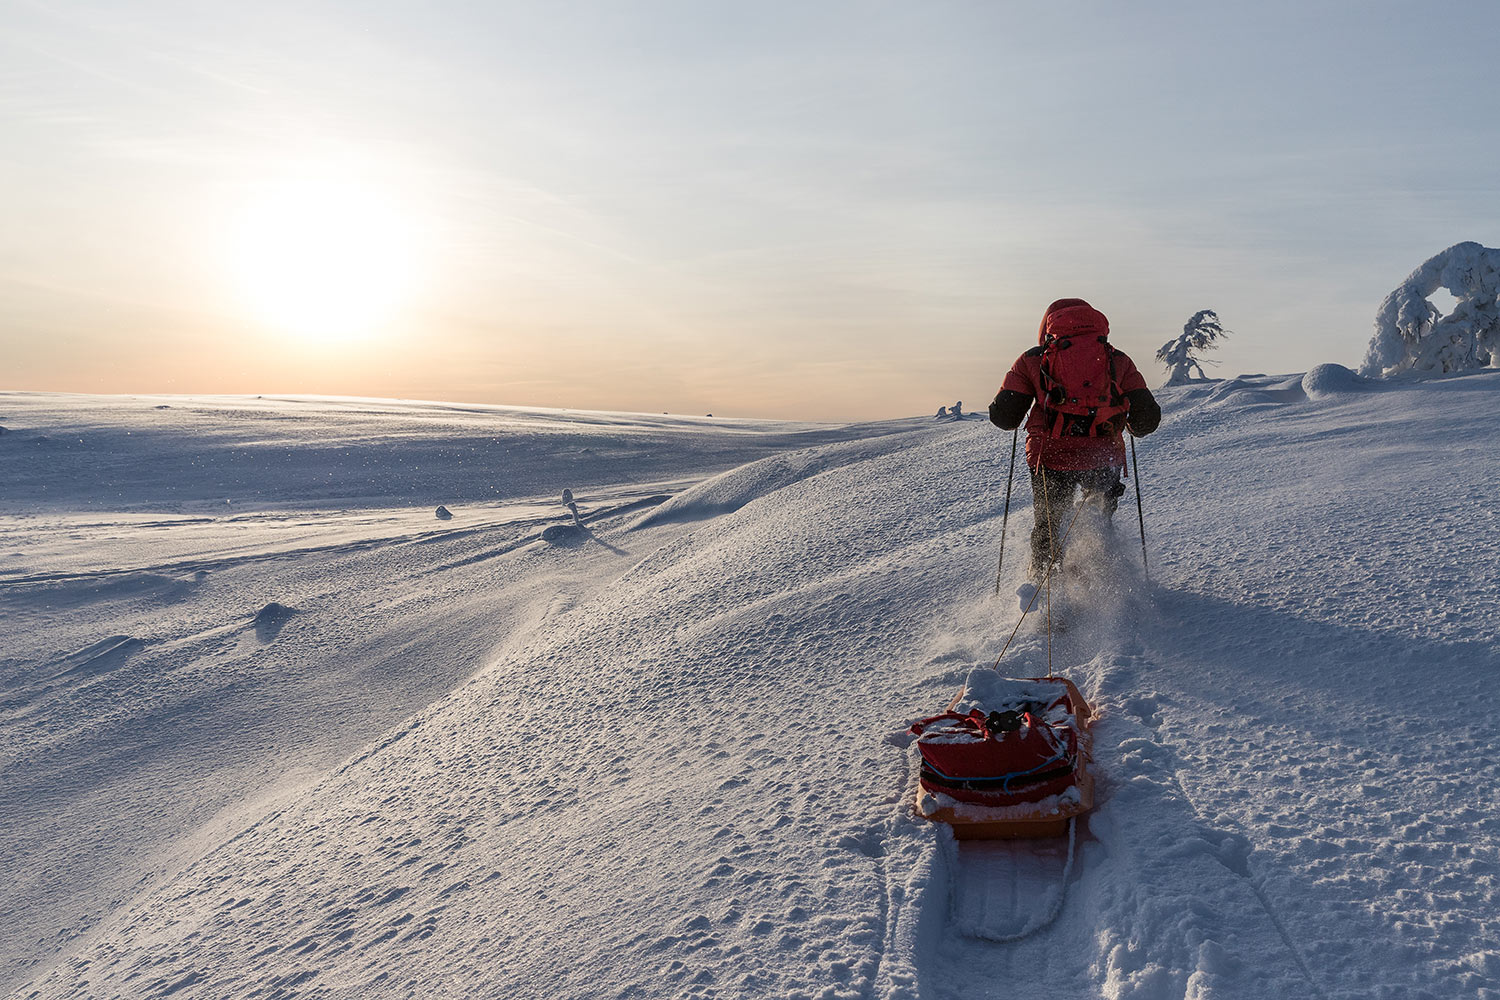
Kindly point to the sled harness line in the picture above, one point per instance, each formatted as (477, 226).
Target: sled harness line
(1046, 584)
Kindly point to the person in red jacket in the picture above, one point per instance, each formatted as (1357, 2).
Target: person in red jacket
(1081, 394)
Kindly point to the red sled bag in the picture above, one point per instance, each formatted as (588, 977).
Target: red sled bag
(1015, 764)
(1080, 395)
(1002, 759)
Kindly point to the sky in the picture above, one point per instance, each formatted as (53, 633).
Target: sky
(807, 210)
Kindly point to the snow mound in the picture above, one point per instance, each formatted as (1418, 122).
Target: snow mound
(1230, 393)
(1252, 389)
(273, 612)
(1333, 380)
(560, 533)
(270, 619)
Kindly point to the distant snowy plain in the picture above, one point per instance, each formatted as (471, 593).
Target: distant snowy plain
(270, 728)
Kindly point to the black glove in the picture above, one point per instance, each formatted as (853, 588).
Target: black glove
(1009, 409)
(1145, 412)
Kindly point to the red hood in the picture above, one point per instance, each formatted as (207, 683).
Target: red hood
(1072, 318)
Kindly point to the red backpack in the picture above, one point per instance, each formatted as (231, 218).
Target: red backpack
(1080, 396)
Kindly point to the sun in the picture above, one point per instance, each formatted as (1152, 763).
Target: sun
(324, 258)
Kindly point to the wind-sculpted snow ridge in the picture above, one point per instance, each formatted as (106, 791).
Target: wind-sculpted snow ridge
(682, 771)
(1252, 389)
(729, 491)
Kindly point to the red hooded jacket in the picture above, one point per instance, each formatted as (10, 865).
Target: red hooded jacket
(1069, 317)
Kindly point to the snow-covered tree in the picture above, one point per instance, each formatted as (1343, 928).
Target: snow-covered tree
(1412, 334)
(1181, 355)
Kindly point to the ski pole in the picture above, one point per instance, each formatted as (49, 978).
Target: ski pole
(1140, 511)
(1054, 553)
(1004, 521)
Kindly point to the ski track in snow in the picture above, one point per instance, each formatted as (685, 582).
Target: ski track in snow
(664, 758)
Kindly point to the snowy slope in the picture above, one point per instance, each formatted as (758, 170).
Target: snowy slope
(149, 710)
(663, 758)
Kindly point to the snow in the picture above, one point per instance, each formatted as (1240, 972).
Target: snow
(315, 742)
(1329, 380)
(991, 691)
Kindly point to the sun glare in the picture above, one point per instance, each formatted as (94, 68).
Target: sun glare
(324, 259)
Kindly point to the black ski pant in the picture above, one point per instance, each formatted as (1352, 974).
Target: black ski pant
(1052, 491)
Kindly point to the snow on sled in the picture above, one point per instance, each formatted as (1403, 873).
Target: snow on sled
(1008, 760)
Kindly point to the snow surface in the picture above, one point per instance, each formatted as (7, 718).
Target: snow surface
(662, 755)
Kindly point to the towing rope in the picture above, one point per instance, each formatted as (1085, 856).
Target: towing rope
(1046, 584)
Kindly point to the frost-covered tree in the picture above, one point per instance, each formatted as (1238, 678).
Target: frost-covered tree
(1412, 334)
(1181, 355)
